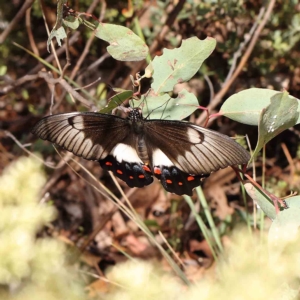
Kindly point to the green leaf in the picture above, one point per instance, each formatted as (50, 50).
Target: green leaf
(125, 45)
(285, 228)
(71, 22)
(261, 199)
(246, 106)
(116, 101)
(167, 108)
(58, 31)
(280, 115)
(59, 34)
(180, 64)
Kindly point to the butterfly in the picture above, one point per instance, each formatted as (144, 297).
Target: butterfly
(180, 154)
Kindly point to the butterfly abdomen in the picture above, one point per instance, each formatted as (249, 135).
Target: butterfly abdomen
(141, 150)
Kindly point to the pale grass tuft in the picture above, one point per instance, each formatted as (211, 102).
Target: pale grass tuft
(142, 280)
(30, 268)
(21, 182)
(245, 272)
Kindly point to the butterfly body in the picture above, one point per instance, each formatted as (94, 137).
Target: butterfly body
(179, 154)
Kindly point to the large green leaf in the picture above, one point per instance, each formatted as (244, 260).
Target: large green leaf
(167, 108)
(246, 106)
(180, 64)
(125, 45)
(278, 116)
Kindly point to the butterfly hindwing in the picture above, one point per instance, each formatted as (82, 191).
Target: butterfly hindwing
(177, 182)
(134, 174)
(125, 163)
(173, 179)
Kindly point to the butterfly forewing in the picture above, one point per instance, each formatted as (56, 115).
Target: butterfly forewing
(101, 137)
(192, 149)
(90, 135)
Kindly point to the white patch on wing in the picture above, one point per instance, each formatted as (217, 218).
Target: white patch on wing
(123, 152)
(78, 122)
(76, 142)
(98, 152)
(69, 139)
(160, 159)
(62, 135)
(194, 136)
(87, 146)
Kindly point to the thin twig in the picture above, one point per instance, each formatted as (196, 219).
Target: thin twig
(248, 37)
(289, 158)
(272, 197)
(34, 48)
(68, 88)
(59, 52)
(16, 20)
(82, 56)
(211, 88)
(51, 43)
(171, 249)
(9, 134)
(242, 63)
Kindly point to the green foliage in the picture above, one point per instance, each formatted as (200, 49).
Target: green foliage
(280, 115)
(181, 64)
(124, 44)
(30, 267)
(246, 106)
(172, 67)
(168, 108)
(271, 110)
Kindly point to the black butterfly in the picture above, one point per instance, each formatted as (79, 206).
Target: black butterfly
(178, 153)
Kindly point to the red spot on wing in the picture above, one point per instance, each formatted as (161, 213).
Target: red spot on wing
(157, 171)
(190, 178)
(130, 177)
(146, 168)
(169, 181)
(119, 172)
(141, 176)
(108, 163)
(180, 183)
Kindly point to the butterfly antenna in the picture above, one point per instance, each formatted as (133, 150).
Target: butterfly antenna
(165, 108)
(144, 99)
(164, 104)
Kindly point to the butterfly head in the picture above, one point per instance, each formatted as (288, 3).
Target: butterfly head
(135, 115)
(135, 118)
